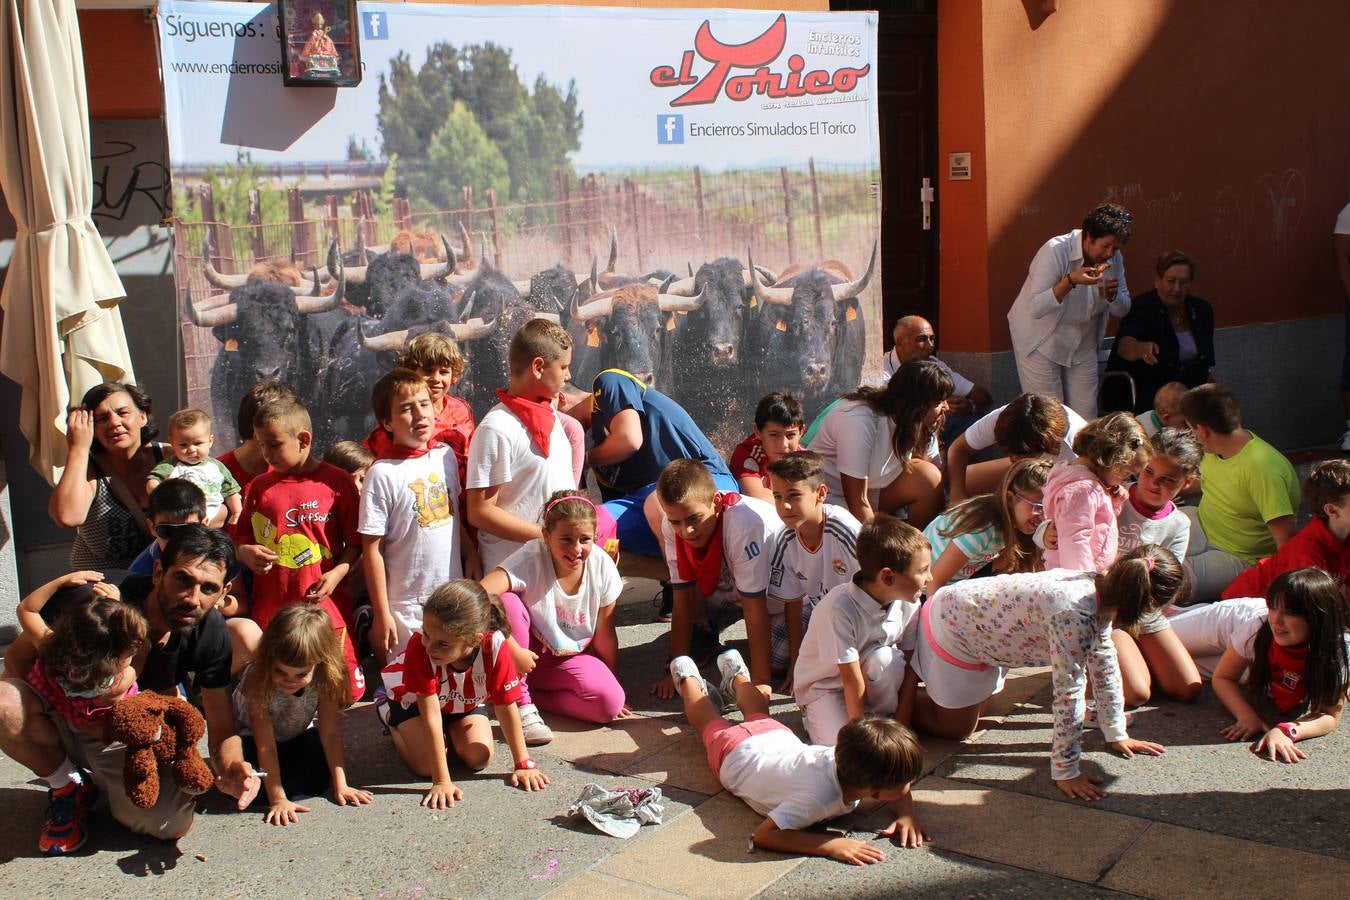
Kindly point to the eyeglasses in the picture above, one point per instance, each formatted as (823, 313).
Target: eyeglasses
(1036, 506)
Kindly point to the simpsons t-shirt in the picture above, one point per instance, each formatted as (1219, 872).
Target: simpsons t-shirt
(308, 521)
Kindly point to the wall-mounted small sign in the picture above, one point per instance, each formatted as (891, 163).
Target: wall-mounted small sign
(958, 166)
(319, 45)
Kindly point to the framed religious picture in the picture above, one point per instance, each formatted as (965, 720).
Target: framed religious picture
(319, 43)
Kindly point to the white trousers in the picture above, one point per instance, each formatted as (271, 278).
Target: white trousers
(1075, 385)
(1209, 569)
(883, 671)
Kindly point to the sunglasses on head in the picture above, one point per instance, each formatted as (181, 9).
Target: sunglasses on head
(165, 530)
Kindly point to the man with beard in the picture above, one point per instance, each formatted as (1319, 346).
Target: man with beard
(1059, 317)
(189, 643)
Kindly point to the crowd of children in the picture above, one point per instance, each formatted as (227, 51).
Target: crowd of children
(463, 557)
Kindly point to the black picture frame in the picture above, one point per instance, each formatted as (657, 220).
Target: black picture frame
(320, 43)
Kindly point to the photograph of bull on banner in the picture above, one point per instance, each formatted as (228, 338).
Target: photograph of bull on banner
(693, 194)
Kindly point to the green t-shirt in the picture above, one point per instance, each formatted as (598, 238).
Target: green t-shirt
(1242, 494)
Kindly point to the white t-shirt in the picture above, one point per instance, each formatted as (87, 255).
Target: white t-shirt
(748, 531)
(1168, 527)
(1343, 220)
(1210, 629)
(500, 453)
(779, 776)
(411, 504)
(980, 436)
(797, 573)
(845, 626)
(961, 385)
(857, 441)
(563, 621)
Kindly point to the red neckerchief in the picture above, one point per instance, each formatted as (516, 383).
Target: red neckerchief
(538, 416)
(703, 565)
(1287, 684)
(398, 451)
(382, 444)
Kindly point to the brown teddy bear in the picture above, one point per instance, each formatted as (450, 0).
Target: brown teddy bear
(159, 731)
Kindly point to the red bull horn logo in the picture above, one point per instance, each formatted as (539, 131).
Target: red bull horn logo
(755, 54)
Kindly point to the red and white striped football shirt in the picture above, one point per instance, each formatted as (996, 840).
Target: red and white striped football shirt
(490, 677)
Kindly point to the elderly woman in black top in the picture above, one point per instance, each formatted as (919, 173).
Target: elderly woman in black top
(1168, 335)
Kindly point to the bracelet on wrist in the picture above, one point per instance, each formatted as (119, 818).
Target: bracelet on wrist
(525, 764)
(1069, 279)
(1289, 728)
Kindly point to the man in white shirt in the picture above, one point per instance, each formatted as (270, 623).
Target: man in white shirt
(1059, 317)
(1341, 242)
(914, 339)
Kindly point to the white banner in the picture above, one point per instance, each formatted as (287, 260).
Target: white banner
(687, 135)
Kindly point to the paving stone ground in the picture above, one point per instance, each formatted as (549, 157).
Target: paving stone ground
(1208, 820)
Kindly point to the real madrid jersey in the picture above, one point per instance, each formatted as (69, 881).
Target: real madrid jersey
(797, 572)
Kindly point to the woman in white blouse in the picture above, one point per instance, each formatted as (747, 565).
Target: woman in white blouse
(1059, 317)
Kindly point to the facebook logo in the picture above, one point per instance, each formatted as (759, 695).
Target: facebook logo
(375, 26)
(669, 129)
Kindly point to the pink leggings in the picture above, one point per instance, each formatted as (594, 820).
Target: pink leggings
(580, 686)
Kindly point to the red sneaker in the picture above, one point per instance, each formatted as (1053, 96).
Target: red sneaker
(63, 829)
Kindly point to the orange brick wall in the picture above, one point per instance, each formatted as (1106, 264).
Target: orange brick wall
(1221, 127)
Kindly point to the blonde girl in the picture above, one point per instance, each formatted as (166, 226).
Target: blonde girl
(297, 679)
(994, 528)
(1083, 498)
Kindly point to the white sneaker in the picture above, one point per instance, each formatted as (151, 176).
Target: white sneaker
(682, 667)
(730, 664)
(1345, 441)
(532, 724)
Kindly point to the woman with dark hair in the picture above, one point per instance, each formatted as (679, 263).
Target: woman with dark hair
(879, 445)
(101, 493)
(1059, 317)
(1168, 335)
